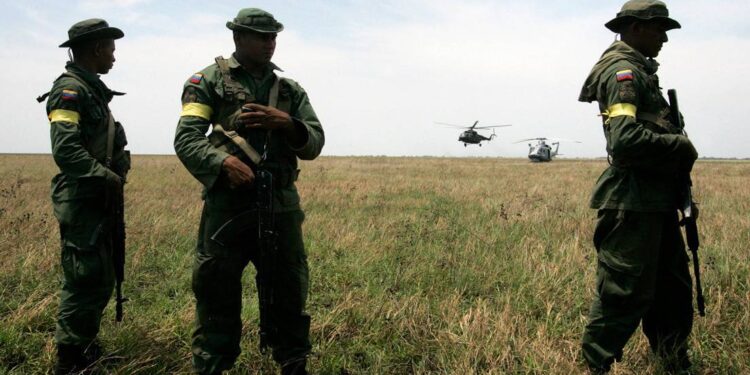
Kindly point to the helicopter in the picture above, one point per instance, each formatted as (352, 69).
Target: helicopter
(542, 151)
(470, 135)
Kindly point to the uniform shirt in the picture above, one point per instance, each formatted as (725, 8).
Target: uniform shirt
(206, 102)
(78, 114)
(649, 155)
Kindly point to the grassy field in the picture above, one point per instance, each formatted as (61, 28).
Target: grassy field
(418, 265)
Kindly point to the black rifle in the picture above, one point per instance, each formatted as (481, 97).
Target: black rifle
(118, 248)
(260, 217)
(267, 237)
(114, 226)
(688, 209)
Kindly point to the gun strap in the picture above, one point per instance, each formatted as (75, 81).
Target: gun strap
(237, 93)
(110, 139)
(41, 98)
(648, 116)
(240, 142)
(273, 96)
(237, 139)
(232, 88)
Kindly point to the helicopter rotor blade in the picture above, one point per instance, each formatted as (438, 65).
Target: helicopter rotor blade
(531, 139)
(452, 125)
(474, 125)
(492, 126)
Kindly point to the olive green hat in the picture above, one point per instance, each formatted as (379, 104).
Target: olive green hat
(642, 10)
(254, 19)
(91, 29)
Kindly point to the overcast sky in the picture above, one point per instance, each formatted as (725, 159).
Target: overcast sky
(379, 73)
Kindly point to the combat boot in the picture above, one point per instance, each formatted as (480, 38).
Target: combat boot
(677, 364)
(295, 367)
(681, 368)
(69, 359)
(91, 354)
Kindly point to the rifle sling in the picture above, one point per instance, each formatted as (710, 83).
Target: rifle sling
(110, 139)
(236, 91)
(240, 142)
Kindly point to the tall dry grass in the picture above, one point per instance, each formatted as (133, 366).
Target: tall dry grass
(418, 265)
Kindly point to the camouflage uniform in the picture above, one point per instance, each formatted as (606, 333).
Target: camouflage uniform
(642, 272)
(78, 112)
(214, 96)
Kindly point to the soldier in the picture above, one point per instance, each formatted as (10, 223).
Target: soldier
(252, 111)
(642, 272)
(89, 148)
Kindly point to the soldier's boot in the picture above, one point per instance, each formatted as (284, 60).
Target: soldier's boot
(69, 359)
(676, 363)
(91, 354)
(597, 371)
(681, 366)
(295, 367)
(75, 359)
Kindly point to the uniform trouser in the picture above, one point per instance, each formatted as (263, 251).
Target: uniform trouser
(87, 270)
(642, 275)
(217, 274)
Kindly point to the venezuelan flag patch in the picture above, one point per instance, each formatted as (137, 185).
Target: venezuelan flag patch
(196, 78)
(624, 75)
(69, 95)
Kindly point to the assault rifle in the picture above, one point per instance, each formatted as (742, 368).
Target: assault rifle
(114, 227)
(688, 209)
(117, 211)
(261, 217)
(267, 237)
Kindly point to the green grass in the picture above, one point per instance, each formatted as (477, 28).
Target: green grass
(418, 265)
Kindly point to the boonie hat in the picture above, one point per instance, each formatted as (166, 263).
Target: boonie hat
(91, 29)
(642, 10)
(254, 19)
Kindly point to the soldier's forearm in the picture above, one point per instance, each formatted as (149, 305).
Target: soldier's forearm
(297, 135)
(632, 141)
(313, 144)
(196, 153)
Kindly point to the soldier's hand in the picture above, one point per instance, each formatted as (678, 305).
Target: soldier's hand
(237, 172)
(690, 155)
(113, 181)
(695, 211)
(689, 149)
(256, 116)
(114, 184)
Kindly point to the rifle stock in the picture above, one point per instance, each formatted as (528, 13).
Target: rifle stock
(688, 210)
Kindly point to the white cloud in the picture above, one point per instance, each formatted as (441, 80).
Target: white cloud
(380, 78)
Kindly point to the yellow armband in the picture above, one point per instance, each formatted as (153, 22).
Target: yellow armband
(64, 115)
(197, 109)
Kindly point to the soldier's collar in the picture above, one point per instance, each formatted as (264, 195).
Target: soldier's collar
(81, 72)
(234, 64)
(649, 65)
(92, 79)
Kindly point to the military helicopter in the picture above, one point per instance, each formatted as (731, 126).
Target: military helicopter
(542, 151)
(470, 135)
